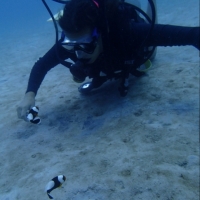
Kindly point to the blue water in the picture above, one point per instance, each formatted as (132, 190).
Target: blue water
(22, 16)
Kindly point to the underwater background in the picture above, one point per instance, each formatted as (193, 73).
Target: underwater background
(141, 147)
(24, 17)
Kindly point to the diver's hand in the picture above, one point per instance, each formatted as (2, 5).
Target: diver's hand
(26, 104)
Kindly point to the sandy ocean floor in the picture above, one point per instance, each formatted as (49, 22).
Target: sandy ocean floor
(144, 146)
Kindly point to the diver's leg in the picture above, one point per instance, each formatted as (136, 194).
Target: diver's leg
(149, 13)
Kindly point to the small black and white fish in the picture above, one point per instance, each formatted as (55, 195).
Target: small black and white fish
(54, 183)
(33, 115)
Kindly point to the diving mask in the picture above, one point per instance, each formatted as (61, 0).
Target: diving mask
(86, 44)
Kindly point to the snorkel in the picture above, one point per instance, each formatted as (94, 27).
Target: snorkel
(104, 26)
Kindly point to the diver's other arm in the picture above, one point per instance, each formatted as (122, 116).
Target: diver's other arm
(169, 35)
(165, 35)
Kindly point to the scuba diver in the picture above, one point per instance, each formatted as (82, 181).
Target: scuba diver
(106, 40)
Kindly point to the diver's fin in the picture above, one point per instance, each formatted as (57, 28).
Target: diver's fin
(145, 67)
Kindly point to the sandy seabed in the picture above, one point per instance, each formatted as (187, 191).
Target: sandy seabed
(144, 146)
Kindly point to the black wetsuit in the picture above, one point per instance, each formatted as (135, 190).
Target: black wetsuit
(127, 33)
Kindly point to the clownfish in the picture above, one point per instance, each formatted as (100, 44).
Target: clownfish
(33, 115)
(54, 183)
